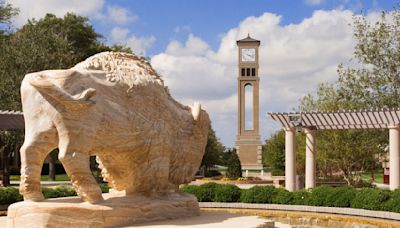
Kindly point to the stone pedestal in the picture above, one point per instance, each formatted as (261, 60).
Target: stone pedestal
(114, 211)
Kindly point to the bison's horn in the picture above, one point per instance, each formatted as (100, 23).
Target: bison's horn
(196, 110)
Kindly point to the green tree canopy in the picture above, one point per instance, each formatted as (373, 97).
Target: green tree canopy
(49, 43)
(234, 169)
(370, 80)
(214, 151)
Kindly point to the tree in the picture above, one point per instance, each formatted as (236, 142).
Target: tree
(371, 80)
(233, 163)
(274, 153)
(48, 43)
(214, 151)
(6, 13)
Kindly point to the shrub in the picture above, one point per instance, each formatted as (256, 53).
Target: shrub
(340, 197)
(59, 191)
(207, 192)
(104, 188)
(191, 189)
(258, 194)
(9, 195)
(371, 199)
(300, 197)
(227, 193)
(318, 196)
(212, 173)
(393, 204)
(234, 167)
(282, 196)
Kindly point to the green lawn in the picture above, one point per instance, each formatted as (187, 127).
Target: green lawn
(59, 177)
(378, 176)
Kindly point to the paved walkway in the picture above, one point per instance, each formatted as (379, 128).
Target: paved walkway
(206, 220)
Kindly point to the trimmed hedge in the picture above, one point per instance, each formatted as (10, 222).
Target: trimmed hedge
(364, 198)
(227, 193)
(258, 194)
(9, 195)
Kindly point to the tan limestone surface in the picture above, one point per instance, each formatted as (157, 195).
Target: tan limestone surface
(113, 106)
(114, 211)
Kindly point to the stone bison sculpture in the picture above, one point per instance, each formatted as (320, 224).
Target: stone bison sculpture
(114, 106)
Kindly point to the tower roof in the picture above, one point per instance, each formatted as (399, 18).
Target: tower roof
(248, 39)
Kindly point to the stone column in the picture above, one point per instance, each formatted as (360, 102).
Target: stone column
(310, 158)
(290, 159)
(394, 157)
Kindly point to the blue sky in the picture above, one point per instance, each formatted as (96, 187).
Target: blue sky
(210, 19)
(191, 43)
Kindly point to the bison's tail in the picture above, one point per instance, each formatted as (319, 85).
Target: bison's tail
(76, 102)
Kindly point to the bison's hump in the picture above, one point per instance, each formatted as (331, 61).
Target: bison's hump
(122, 67)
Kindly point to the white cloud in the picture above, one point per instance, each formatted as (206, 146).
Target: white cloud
(293, 60)
(95, 9)
(139, 45)
(119, 34)
(120, 15)
(193, 46)
(38, 9)
(314, 2)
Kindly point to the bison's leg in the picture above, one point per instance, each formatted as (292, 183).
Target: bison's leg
(77, 165)
(33, 153)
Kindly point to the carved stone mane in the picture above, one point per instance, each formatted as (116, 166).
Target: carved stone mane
(123, 68)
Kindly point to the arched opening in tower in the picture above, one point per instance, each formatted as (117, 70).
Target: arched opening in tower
(248, 104)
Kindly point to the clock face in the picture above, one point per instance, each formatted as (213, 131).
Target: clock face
(248, 54)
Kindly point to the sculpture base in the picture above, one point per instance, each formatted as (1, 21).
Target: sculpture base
(114, 211)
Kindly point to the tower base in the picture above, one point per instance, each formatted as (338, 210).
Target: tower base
(249, 150)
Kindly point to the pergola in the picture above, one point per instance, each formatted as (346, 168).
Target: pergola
(11, 120)
(326, 120)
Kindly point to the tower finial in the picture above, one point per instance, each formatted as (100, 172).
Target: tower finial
(248, 35)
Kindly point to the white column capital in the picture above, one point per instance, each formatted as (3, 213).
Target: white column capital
(289, 129)
(309, 130)
(393, 126)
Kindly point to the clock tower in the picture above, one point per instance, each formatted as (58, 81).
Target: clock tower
(248, 144)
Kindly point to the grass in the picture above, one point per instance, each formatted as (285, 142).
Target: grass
(378, 176)
(59, 177)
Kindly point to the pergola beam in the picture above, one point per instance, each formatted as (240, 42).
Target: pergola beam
(338, 120)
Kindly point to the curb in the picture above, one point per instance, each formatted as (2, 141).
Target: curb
(300, 208)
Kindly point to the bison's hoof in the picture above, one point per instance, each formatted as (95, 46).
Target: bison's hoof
(35, 197)
(93, 198)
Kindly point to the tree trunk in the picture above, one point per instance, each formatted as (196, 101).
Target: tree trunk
(52, 167)
(6, 169)
(373, 175)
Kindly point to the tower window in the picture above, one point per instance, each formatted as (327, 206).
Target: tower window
(248, 71)
(248, 105)
(253, 71)
(243, 72)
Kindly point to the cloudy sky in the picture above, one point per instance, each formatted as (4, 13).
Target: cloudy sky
(192, 43)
